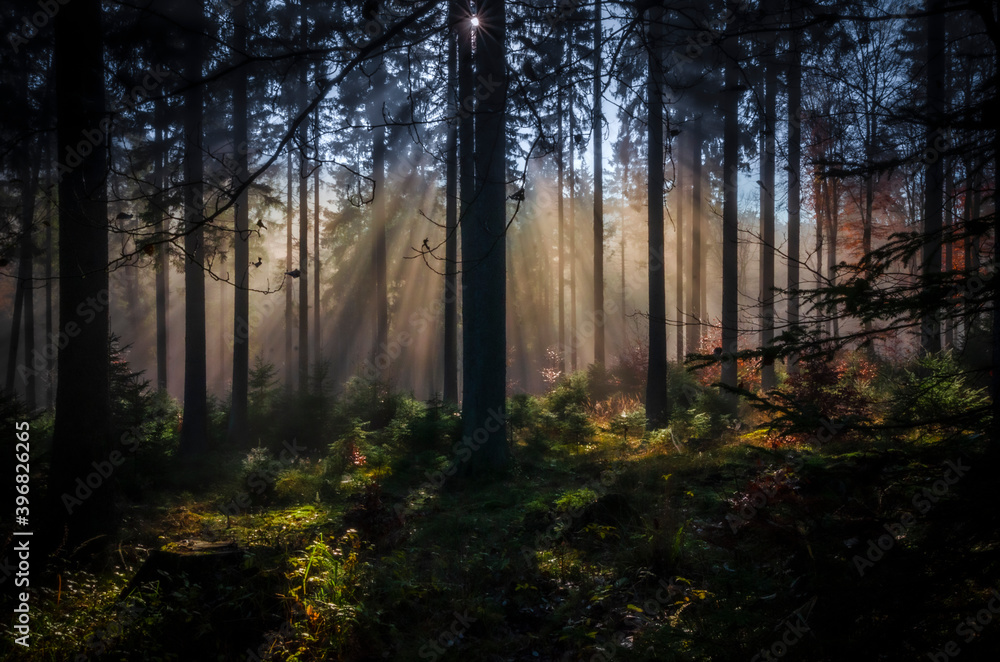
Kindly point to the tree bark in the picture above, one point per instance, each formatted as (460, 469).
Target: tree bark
(303, 279)
(657, 405)
(484, 258)
(238, 413)
(450, 393)
(162, 252)
(82, 433)
(767, 378)
(195, 427)
(696, 297)
(289, 315)
(794, 183)
(930, 336)
(599, 320)
(730, 225)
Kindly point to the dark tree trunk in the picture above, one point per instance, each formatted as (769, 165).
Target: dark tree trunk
(317, 345)
(730, 226)
(49, 257)
(573, 230)
(794, 183)
(930, 337)
(657, 406)
(560, 185)
(289, 315)
(697, 250)
(83, 411)
(450, 395)
(195, 427)
(303, 279)
(466, 139)
(484, 259)
(238, 413)
(599, 321)
(679, 185)
(379, 210)
(767, 379)
(162, 252)
(24, 300)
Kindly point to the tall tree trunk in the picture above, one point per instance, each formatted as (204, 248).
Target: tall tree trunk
(573, 231)
(657, 405)
(162, 253)
(317, 345)
(484, 256)
(679, 186)
(24, 306)
(767, 378)
(238, 432)
(697, 295)
(82, 432)
(794, 181)
(560, 185)
(195, 428)
(303, 221)
(599, 321)
(49, 257)
(289, 315)
(930, 337)
(833, 211)
(379, 209)
(730, 221)
(455, 25)
(466, 134)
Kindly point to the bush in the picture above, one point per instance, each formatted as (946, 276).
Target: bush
(567, 406)
(934, 390)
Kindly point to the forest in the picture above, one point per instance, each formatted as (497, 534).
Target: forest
(483, 330)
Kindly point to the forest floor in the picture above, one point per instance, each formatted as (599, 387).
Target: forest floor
(620, 548)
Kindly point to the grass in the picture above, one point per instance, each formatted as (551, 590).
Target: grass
(598, 546)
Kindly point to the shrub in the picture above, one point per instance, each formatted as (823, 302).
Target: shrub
(934, 390)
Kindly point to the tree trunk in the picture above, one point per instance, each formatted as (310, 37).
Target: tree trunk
(484, 257)
(794, 183)
(560, 185)
(377, 120)
(49, 254)
(162, 252)
(238, 412)
(657, 405)
(930, 337)
(730, 224)
(767, 378)
(24, 306)
(451, 212)
(573, 231)
(289, 315)
(303, 279)
(82, 433)
(697, 295)
(599, 321)
(195, 428)
(317, 331)
(678, 195)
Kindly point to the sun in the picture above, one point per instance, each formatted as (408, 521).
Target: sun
(475, 22)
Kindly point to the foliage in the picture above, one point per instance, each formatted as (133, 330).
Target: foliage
(935, 391)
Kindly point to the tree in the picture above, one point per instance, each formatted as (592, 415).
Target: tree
(930, 338)
(303, 217)
(238, 412)
(484, 337)
(455, 23)
(769, 62)
(83, 412)
(794, 168)
(195, 429)
(598, 131)
(657, 405)
(730, 220)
